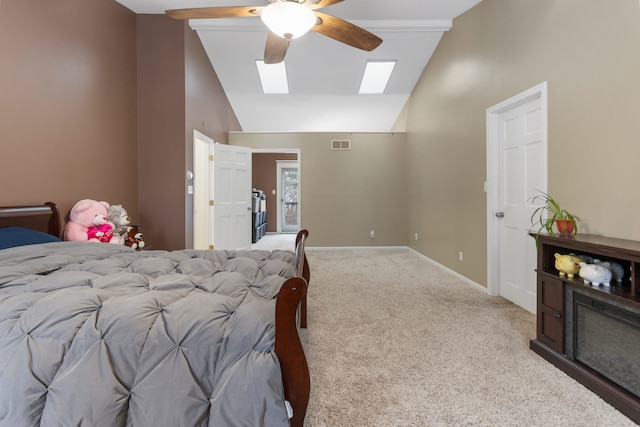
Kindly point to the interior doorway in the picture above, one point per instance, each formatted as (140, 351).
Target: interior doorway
(516, 170)
(221, 188)
(267, 178)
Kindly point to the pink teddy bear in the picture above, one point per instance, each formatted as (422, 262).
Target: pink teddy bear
(88, 223)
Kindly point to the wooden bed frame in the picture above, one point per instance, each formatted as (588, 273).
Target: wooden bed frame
(295, 371)
(44, 218)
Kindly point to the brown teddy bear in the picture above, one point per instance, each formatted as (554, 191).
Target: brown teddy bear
(134, 237)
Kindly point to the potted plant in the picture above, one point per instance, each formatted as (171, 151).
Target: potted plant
(549, 214)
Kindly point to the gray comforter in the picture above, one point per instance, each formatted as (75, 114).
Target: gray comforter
(95, 334)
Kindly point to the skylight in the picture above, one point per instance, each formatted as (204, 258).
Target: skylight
(376, 76)
(273, 77)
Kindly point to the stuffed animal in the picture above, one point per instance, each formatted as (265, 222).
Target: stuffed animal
(117, 215)
(88, 223)
(134, 237)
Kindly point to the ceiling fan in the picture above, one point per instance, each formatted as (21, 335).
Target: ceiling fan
(287, 20)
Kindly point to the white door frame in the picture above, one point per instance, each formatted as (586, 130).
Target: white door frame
(492, 184)
(202, 189)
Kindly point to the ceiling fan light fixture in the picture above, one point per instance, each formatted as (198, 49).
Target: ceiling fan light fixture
(288, 19)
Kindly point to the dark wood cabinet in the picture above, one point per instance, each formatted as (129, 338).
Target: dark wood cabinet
(557, 316)
(550, 319)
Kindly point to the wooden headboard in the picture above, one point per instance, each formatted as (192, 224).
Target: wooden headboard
(45, 218)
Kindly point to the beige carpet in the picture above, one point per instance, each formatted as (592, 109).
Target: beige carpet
(395, 341)
(270, 242)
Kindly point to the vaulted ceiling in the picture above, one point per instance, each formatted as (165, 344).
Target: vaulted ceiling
(324, 75)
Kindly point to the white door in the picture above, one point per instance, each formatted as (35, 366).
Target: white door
(288, 194)
(202, 190)
(520, 140)
(232, 197)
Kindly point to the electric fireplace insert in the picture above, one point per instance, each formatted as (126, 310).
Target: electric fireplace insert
(606, 338)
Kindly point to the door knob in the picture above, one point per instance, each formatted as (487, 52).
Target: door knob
(249, 208)
(500, 214)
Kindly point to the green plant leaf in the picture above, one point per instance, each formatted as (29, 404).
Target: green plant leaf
(546, 215)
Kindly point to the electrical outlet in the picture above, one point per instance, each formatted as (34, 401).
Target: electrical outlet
(373, 234)
(416, 236)
(460, 255)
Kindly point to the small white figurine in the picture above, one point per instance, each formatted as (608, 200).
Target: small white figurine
(595, 274)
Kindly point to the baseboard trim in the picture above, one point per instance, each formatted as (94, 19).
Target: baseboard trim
(452, 272)
(345, 248)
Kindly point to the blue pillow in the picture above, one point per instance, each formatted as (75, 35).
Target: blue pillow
(18, 236)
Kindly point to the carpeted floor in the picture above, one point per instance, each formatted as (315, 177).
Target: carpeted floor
(395, 341)
(270, 242)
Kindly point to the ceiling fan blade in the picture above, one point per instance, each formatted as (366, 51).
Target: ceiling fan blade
(321, 4)
(346, 32)
(275, 49)
(215, 12)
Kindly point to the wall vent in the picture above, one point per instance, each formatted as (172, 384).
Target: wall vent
(341, 144)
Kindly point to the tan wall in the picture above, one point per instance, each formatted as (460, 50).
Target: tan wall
(68, 103)
(345, 194)
(589, 53)
(178, 92)
(264, 176)
(96, 102)
(161, 102)
(207, 109)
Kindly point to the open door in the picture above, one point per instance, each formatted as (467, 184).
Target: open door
(232, 197)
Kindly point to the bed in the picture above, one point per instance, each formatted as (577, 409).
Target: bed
(97, 334)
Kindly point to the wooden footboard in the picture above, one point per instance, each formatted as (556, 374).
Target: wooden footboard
(288, 347)
(302, 271)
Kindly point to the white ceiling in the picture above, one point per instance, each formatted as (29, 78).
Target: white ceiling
(324, 75)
